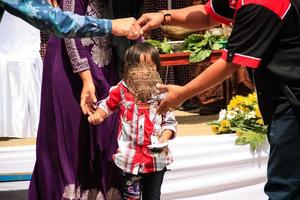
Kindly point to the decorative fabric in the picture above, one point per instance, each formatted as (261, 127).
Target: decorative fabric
(71, 192)
(99, 47)
(42, 15)
(138, 123)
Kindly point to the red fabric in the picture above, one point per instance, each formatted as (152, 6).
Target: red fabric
(279, 7)
(242, 59)
(210, 11)
(138, 123)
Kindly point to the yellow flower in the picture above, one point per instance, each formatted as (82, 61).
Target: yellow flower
(257, 112)
(223, 129)
(260, 122)
(252, 98)
(225, 123)
(215, 128)
(244, 109)
(232, 104)
(238, 133)
(240, 99)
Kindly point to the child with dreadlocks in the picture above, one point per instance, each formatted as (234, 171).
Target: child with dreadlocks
(143, 134)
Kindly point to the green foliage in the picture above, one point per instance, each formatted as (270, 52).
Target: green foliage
(242, 117)
(254, 139)
(201, 46)
(163, 47)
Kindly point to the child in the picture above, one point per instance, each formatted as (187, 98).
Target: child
(141, 129)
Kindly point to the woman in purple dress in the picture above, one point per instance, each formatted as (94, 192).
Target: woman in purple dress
(74, 159)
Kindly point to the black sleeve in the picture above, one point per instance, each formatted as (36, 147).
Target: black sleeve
(254, 30)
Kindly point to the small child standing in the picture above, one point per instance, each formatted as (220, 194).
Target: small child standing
(143, 153)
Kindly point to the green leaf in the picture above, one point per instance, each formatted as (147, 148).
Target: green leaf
(193, 58)
(163, 47)
(201, 45)
(155, 43)
(255, 140)
(166, 48)
(217, 46)
(202, 55)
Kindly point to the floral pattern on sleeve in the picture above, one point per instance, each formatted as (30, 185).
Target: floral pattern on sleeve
(43, 16)
(80, 50)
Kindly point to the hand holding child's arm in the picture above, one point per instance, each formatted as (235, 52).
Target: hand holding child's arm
(98, 117)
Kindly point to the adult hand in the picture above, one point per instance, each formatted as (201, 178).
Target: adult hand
(126, 27)
(88, 98)
(150, 21)
(53, 3)
(173, 100)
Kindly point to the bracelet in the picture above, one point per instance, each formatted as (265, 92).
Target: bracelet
(167, 16)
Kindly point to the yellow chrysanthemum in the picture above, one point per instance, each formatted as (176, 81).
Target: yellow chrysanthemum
(257, 112)
(240, 99)
(223, 129)
(260, 122)
(252, 98)
(225, 123)
(232, 104)
(244, 109)
(215, 128)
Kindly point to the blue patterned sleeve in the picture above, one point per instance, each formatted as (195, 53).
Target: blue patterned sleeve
(43, 16)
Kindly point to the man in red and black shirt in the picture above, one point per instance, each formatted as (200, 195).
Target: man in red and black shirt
(266, 39)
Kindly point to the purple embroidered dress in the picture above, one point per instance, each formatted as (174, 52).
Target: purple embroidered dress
(74, 158)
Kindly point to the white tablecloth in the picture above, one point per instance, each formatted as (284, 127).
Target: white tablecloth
(20, 78)
(213, 168)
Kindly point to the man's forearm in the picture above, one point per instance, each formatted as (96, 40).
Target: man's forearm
(213, 75)
(193, 17)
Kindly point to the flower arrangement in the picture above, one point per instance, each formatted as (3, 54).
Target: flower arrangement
(243, 118)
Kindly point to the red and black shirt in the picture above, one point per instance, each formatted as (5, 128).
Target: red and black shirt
(265, 37)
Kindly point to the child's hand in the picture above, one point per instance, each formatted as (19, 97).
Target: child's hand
(162, 140)
(165, 136)
(96, 118)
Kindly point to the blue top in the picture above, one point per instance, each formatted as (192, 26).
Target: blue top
(43, 16)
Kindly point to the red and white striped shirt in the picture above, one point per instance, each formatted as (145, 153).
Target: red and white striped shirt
(138, 123)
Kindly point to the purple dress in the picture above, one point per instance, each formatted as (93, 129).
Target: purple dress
(74, 158)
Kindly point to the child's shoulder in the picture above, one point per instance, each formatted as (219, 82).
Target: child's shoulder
(119, 85)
